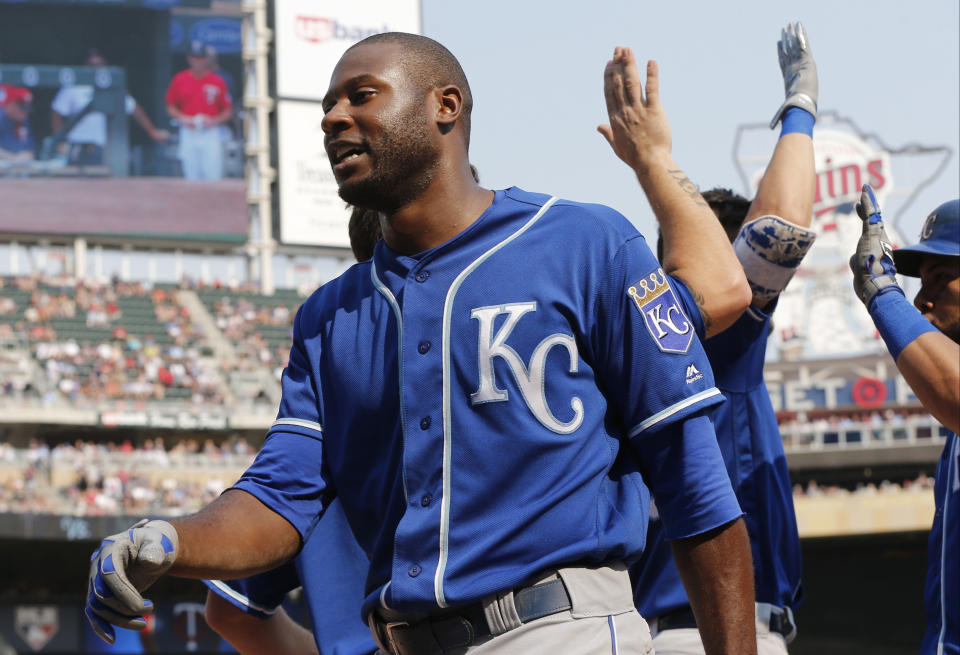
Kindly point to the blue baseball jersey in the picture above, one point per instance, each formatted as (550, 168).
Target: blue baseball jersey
(942, 592)
(331, 568)
(752, 449)
(472, 406)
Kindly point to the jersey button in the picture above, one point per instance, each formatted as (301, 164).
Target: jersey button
(414, 571)
(425, 422)
(426, 500)
(422, 276)
(424, 347)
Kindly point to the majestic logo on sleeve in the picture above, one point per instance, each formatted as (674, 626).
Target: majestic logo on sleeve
(530, 378)
(661, 313)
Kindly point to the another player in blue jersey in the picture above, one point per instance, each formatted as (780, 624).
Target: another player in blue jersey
(926, 347)
(770, 237)
(248, 613)
(491, 398)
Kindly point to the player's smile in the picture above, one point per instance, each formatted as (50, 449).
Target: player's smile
(346, 155)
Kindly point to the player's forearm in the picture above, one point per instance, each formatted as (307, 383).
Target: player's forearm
(288, 637)
(695, 247)
(931, 366)
(223, 116)
(143, 120)
(717, 574)
(178, 115)
(250, 635)
(789, 183)
(235, 536)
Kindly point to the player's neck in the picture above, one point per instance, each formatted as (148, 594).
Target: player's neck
(444, 210)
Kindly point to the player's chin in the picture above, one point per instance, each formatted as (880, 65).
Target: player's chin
(359, 191)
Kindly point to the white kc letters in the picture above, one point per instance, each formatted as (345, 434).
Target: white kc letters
(529, 379)
(658, 321)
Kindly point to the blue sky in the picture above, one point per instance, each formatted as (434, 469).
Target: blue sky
(536, 69)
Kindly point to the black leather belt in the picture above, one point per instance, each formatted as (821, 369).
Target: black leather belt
(461, 627)
(677, 619)
(780, 622)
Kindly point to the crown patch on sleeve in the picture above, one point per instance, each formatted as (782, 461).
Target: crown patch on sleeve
(671, 330)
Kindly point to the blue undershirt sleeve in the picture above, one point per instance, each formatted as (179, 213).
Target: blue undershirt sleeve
(684, 469)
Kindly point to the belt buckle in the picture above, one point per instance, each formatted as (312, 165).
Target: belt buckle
(388, 629)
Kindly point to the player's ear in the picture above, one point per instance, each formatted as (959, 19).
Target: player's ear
(449, 105)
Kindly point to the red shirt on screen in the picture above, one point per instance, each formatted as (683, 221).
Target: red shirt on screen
(194, 95)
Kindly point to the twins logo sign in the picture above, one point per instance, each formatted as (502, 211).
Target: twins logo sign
(661, 313)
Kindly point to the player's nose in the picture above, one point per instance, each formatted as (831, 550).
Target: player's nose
(336, 120)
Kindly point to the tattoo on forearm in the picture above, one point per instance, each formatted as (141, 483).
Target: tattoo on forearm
(688, 186)
(701, 305)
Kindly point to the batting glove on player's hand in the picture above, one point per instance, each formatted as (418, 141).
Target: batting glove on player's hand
(124, 565)
(799, 71)
(872, 264)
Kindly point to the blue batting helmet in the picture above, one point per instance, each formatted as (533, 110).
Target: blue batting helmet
(940, 236)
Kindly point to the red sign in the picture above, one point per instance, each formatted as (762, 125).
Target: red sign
(869, 393)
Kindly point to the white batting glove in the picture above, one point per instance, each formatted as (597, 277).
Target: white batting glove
(124, 565)
(872, 264)
(799, 71)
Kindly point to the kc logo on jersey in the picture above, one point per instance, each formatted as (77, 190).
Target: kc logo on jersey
(661, 313)
(530, 378)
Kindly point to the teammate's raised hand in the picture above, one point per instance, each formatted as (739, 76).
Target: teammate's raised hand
(800, 83)
(638, 128)
(124, 565)
(872, 263)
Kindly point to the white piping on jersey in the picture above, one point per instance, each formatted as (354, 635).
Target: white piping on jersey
(299, 422)
(754, 314)
(240, 598)
(395, 306)
(673, 409)
(447, 437)
(383, 596)
(952, 462)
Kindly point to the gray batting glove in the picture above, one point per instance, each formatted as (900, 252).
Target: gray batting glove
(799, 71)
(872, 264)
(124, 565)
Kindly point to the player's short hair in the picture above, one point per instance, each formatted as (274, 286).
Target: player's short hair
(364, 231)
(430, 65)
(729, 207)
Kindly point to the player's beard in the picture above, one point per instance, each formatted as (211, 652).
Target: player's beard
(403, 163)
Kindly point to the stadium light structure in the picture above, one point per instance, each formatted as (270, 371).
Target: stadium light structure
(256, 125)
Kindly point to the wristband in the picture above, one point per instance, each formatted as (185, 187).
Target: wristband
(899, 322)
(797, 119)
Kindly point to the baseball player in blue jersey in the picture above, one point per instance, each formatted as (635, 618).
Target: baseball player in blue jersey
(490, 398)
(925, 344)
(770, 237)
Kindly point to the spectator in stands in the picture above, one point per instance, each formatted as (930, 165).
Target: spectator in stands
(16, 140)
(198, 99)
(87, 138)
